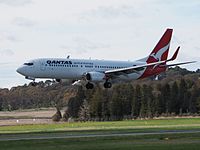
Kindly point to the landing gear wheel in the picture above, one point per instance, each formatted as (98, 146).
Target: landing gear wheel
(89, 85)
(33, 83)
(107, 85)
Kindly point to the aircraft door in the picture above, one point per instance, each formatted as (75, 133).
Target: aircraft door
(42, 66)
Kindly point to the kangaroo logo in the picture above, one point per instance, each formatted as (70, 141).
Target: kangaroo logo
(157, 55)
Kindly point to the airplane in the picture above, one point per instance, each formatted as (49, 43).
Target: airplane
(90, 72)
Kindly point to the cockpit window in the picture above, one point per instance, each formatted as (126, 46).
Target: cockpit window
(28, 64)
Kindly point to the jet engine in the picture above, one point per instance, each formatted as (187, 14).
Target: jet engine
(95, 76)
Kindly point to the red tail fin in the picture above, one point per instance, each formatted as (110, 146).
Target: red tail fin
(160, 52)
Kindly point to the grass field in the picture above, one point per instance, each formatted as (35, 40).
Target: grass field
(140, 142)
(180, 123)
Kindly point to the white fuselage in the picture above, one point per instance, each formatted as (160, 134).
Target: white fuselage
(59, 68)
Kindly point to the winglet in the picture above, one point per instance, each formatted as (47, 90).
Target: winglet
(175, 55)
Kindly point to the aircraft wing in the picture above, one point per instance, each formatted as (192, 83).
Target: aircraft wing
(129, 70)
(176, 64)
(137, 69)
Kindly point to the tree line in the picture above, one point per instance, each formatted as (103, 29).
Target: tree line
(177, 92)
(146, 100)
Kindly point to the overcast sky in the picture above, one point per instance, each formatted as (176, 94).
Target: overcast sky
(100, 29)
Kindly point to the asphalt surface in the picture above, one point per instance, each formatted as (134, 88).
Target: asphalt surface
(45, 136)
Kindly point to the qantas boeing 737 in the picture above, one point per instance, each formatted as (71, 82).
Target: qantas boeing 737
(95, 71)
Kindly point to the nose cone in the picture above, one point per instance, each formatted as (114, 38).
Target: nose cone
(20, 70)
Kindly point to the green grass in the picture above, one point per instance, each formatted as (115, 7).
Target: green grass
(181, 123)
(147, 142)
(136, 142)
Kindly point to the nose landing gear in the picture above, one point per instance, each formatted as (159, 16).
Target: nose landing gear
(33, 83)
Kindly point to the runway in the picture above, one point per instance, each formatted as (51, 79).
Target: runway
(65, 135)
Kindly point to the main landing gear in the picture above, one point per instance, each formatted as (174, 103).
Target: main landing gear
(33, 83)
(106, 85)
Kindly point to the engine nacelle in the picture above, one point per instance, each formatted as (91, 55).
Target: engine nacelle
(95, 76)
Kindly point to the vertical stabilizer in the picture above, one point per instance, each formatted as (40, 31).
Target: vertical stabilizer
(160, 52)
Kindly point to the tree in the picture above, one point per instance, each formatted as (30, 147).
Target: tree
(174, 102)
(195, 94)
(75, 103)
(183, 97)
(198, 104)
(144, 99)
(116, 109)
(84, 113)
(66, 115)
(136, 102)
(150, 102)
(165, 98)
(96, 103)
(57, 116)
(159, 104)
(106, 104)
(126, 95)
